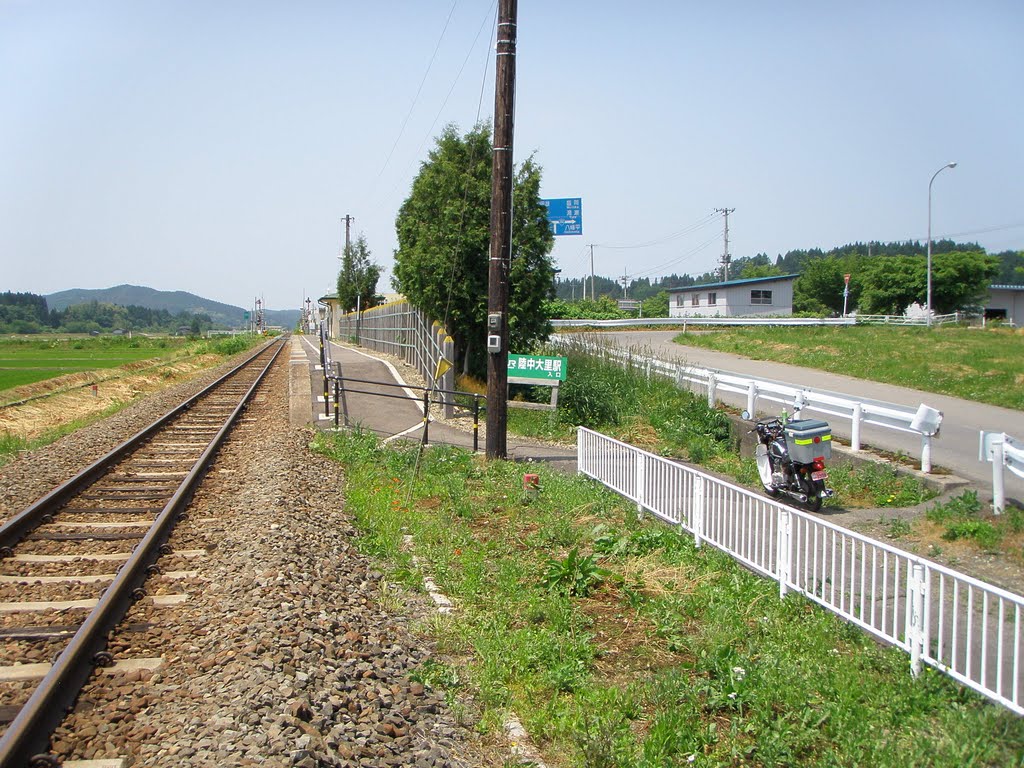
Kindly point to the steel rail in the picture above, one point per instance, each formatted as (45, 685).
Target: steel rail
(24, 522)
(30, 731)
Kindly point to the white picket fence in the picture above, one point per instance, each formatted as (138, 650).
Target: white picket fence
(964, 627)
(923, 421)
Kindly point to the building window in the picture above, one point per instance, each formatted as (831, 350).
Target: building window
(760, 297)
(679, 299)
(712, 298)
(695, 300)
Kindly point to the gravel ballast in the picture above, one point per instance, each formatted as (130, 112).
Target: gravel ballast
(283, 653)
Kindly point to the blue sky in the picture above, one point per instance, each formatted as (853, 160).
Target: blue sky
(213, 147)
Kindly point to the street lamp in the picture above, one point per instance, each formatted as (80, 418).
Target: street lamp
(928, 299)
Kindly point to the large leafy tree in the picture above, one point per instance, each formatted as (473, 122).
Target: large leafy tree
(959, 280)
(358, 276)
(443, 240)
(819, 288)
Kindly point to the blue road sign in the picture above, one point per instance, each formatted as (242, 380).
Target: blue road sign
(565, 214)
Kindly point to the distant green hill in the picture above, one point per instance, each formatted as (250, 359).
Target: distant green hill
(172, 301)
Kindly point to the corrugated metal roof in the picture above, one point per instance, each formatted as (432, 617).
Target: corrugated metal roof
(1006, 287)
(730, 283)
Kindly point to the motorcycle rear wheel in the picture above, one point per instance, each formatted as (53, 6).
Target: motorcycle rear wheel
(815, 490)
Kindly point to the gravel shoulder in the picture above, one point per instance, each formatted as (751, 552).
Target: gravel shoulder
(291, 649)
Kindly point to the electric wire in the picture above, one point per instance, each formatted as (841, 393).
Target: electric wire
(451, 90)
(419, 90)
(667, 238)
(469, 170)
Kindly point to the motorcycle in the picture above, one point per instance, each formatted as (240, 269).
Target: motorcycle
(791, 458)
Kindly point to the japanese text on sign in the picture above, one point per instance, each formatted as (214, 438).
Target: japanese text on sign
(537, 367)
(565, 215)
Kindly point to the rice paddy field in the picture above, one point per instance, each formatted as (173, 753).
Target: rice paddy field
(26, 361)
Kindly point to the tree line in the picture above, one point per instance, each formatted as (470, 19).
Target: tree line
(824, 271)
(29, 313)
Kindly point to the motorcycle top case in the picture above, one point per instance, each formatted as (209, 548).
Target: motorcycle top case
(808, 439)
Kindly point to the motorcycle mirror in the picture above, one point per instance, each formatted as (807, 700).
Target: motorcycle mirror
(745, 415)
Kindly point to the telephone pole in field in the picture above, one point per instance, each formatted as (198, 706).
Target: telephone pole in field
(501, 232)
(725, 253)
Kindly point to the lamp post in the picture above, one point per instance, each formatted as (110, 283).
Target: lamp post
(928, 298)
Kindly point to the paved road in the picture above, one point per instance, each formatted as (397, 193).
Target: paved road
(396, 412)
(955, 449)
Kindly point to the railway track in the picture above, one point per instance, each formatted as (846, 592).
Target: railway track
(73, 562)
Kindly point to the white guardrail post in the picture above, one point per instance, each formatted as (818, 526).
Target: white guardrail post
(998, 488)
(1005, 452)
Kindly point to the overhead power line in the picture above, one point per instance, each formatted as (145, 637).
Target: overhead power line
(418, 91)
(667, 238)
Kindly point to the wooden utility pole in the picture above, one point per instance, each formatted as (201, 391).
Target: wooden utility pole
(501, 232)
(348, 229)
(726, 258)
(593, 296)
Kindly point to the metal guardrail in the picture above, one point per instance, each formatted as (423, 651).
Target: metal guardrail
(631, 321)
(923, 421)
(1004, 452)
(856, 319)
(970, 630)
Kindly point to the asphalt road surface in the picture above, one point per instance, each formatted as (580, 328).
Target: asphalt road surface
(956, 448)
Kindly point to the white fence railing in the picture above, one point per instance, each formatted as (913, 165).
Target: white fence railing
(964, 627)
(921, 319)
(923, 421)
(685, 320)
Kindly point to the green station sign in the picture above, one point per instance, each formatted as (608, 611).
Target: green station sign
(538, 367)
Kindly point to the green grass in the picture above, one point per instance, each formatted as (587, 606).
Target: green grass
(984, 365)
(965, 517)
(676, 657)
(657, 416)
(101, 353)
(25, 361)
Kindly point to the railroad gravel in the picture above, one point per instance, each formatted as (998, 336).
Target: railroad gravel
(285, 652)
(34, 473)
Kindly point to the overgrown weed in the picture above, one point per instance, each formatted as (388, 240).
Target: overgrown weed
(706, 668)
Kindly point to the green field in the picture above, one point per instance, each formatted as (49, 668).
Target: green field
(25, 361)
(29, 360)
(984, 365)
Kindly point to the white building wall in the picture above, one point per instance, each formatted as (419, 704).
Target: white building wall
(1010, 300)
(733, 300)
